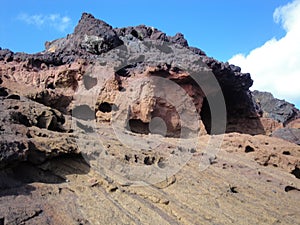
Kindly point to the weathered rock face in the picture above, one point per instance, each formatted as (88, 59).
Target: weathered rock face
(53, 86)
(280, 112)
(86, 92)
(274, 108)
(289, 134)
(31, 131)
(52, 76)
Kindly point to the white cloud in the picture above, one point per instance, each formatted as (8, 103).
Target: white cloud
(36, 20)
(58, 22)
(275, 66)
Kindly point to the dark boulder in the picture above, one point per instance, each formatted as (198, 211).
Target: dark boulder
(279, 110)
(288, 134)
(95, 35)
(179, 39)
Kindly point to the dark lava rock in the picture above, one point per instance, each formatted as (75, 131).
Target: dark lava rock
(143, 32)
(179, 38)
(91, 37)
(6, 54)
(288, 134)
(95, 35)
(197, 51)
(279, 110)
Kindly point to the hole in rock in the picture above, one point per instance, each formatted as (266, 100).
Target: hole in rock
(149, 160)
(134, 33)
(20, 118)
(249, 149)
(233, 190)
(156, 126)
(286, 153)
(121, 89)
(113, 189)
(50, 86)
(290, 188)
(206, 116)
(13, 96)
(136, 158)
(296, 172)
(127, 158)
(105, 107)
(3, 92)
(193, 150)
(138, 126)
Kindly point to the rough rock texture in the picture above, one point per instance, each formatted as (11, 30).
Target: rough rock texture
(282, 113)
(90, 36)
(31, 131)
(53, 86)
(250, 181)
(289, 134)
(279, 110)
(112, 126)
(52, 77)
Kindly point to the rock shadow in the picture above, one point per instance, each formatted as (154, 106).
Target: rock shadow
(242, 116)
(17, 179)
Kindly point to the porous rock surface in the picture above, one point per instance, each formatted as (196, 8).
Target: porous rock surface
(115, 83)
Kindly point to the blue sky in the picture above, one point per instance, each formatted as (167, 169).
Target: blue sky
(223, 29)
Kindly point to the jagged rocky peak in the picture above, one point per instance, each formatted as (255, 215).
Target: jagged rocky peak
(96, 36)
(91, 36)
(89, 25)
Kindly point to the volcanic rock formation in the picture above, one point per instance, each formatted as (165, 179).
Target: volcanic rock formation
(52, 77)
(126, 125)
